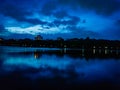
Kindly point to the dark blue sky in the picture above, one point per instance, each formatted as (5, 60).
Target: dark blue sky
(98, 19)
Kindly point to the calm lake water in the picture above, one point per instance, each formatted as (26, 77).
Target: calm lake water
(36, 68)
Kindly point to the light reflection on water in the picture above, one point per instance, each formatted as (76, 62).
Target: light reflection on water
(35, 65)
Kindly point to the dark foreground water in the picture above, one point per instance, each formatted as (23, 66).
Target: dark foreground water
(54, 69)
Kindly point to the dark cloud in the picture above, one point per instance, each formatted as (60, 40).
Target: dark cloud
(18, 14)
(118, 22)
(69, 22)
(105, 7)
(73, 21)
(2, 29)
(14, 12)
(116, 31)
(36, 21)
(84, 21)
(21, 3)
(48, 8)
(61, 14)
(74, 28)
(82, 32)
(51, 24)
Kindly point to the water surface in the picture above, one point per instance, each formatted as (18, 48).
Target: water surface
(43, 68)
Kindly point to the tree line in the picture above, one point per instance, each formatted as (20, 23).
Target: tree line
(61, 43)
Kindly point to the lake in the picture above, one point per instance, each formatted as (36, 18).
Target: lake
(58, 69)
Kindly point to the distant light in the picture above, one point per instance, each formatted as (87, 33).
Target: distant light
(94, 51)
(65, 46)
(106, 47)
(94, 47)
(106, 52)
(100, 51)
(35, 56)
(65, 50)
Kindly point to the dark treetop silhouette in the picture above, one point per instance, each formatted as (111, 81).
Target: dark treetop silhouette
(61, 43)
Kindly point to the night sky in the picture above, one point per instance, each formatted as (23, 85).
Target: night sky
(98, 19)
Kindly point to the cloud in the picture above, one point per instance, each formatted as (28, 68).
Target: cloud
(63, 18)
(48, 8)
(61, 14)
(14, 12)
(37, 29)
(19, 14)
(105, 7)
(117, 23)
(2, 29)
(82, 32)
(36, 21)
(72, 21)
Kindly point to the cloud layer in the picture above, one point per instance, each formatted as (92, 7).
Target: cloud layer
(77, 18)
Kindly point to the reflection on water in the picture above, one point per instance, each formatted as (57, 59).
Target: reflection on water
(56, 67)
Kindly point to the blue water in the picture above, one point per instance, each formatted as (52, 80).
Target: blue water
(32, 67)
